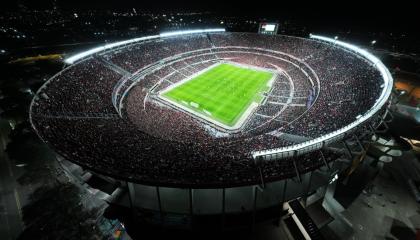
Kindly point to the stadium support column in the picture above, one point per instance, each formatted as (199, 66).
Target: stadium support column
(359, 142)
(254, 208)
(325, 161)
(385, 127)
(373, 130)
(348, 150)
(190, 197)
(223, 208)
(297, 171)
(388, 114)
(262, 185)
(159, 204)
(131, 196)
(308, 188)
(284, 192)
(396, 98)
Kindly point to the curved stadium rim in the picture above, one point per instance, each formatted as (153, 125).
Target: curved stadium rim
(283, 152)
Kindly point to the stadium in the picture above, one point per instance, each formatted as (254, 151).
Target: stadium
(212, 123)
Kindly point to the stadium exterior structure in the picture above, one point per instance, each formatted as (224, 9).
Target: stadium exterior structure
(309, 163)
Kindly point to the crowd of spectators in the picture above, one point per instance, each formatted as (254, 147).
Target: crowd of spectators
(154, 142)
(82, 88)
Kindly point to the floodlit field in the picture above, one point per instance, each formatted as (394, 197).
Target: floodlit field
(223, 93)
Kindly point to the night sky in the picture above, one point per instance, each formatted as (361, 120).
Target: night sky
(395, 15)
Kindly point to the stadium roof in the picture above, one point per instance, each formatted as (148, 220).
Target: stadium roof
(89, 52)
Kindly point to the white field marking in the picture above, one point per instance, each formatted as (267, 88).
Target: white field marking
(196, 105)
(244, 115)
(207, 112)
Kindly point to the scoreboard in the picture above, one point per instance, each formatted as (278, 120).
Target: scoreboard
(268, 28)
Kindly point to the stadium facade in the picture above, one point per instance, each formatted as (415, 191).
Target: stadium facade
(175, 165)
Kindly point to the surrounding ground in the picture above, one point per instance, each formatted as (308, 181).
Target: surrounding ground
(222, 93)
(386, 210)
(11, 192)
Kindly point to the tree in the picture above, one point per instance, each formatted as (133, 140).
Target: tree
(55, 212)
(26, 148)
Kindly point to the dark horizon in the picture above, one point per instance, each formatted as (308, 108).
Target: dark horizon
(368, 16)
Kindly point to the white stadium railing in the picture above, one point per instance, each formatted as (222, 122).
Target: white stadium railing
(324, 140)
(92, 51)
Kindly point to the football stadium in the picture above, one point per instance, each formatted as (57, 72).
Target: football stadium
(206, 125)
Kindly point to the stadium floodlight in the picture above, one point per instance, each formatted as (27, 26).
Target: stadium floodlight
(175, 33)
(320, 141)
(84, 54)
(92, 51)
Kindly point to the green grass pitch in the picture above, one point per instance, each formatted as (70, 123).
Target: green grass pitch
(223, 92)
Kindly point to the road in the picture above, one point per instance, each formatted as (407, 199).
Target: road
(12, 195)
